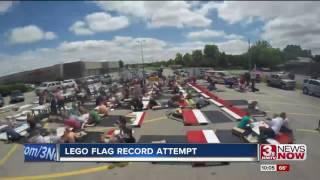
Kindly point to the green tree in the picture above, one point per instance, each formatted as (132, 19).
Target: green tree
(293, 51)
(263, 55)
(121, 64)
(317, 58)
(222, 60)
(211, 53)
(178, 59)
(187, 59)
(197, 57)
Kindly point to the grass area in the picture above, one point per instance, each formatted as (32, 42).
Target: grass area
(152, 68)
(8, 88)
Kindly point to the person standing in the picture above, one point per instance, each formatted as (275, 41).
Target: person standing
(253, 76)
(247, 78)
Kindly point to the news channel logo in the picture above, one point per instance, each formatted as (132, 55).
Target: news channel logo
(40, 152)
(293, 152)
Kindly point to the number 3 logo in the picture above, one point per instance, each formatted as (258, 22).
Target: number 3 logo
(267, 150)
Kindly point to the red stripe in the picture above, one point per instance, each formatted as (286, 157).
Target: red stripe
(110, 132)
(188, 117)
(238, 111)
(183, 103)
(226, 104)
(284, 138)
(141, 119)
(196, 136)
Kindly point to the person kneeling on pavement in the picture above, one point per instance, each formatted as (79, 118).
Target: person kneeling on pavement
(201, 102)
(125, 134)
(137, 104)
(44, 137)
(12, 135)
(274, 127)
(243, 124)
(94, 118)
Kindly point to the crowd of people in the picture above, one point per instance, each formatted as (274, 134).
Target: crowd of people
(246, 81)
(131, 94)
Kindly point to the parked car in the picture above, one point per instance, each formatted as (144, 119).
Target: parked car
(16, 96)
(95, 78)
(31, 85)
(1, 101)
(48, 87)
(218, 76)
(258, 76)
(69, 83)
(311, 87)
(106, 79)
(281, 80)
(89, 81)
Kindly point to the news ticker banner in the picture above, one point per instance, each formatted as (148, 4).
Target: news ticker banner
(163, 152)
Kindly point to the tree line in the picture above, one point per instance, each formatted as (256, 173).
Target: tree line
(261, 54)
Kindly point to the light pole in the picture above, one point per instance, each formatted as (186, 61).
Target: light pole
(249, 55)
(140, 42)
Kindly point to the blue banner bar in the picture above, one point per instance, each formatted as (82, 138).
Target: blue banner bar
(155, 152)
(40, 152)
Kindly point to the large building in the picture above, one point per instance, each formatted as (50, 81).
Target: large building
(70, 70)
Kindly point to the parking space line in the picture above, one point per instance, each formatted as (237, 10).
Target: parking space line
(9, 154)
(299, 114)
(291, 104)
(309, 130)
(155, 119)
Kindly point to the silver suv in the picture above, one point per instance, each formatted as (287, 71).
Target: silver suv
(281, 80)
(48, 87)
(311, 86)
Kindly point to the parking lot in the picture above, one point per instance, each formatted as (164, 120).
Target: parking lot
(303, 113)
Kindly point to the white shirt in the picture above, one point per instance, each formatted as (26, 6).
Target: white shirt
(286, 123)
(253, 75)
(276, 124)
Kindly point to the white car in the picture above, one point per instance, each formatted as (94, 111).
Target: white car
(69, 83)
(48, 87)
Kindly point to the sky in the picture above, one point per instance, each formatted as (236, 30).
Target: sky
(35, 34)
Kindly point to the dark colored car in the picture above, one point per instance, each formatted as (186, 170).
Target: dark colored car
(1, 101)
(16, 96)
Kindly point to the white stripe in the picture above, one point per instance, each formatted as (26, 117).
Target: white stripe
(161, 159)
(21, 118)
(7, 107)
(22, 128)
(200, 117)
(234, 115)
(145, 104)
(137, 119)
(3, 126)
(198, 90)
(216, 103)
(210, 136)
(204, 95)
(25, 106)
(41, 107)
